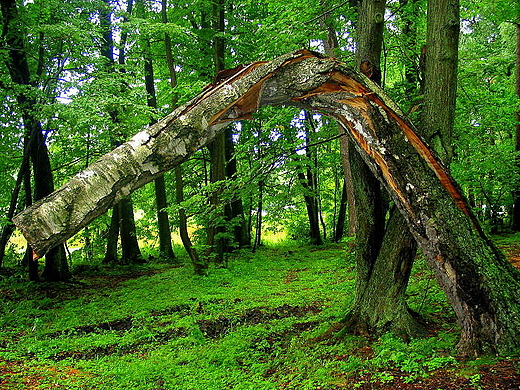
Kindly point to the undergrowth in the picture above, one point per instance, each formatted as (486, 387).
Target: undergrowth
(250, 326)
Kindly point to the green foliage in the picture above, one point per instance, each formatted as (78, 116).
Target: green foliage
(485, 122)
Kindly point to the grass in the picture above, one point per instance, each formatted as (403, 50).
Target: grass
(250, 326)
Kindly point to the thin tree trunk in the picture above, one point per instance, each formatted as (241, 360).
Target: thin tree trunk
(340, 223)
(331, 44)
(130, 252)
(200, 265)
(8, 229)
(112, 237)
(234, 211)
(29, 260)
(258, 224)
(308, 181)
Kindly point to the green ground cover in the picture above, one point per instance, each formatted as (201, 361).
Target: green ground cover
(251, 326)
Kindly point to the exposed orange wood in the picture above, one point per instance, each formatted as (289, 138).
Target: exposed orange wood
(349, 83)
(327, 87)
(248, 103)
(379, 160)
(426, 153)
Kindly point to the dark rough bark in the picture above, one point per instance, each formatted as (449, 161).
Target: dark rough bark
(113, 236)
(56, 266)
(370, 37)
(130, 252)
(384, 305)
(440, 89)
(380, 254)
(412, 75)
(480, 284)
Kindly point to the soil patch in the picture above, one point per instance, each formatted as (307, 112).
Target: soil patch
(160, 337)
(503, 375)
(121, 325)
(222, 325)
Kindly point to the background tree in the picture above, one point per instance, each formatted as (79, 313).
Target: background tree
(56, 266)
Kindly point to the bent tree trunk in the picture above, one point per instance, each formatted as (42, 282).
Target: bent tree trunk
(480, 284)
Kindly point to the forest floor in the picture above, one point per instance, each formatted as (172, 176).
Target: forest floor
(250, 326)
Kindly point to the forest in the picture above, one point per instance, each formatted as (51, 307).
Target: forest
(260, 194)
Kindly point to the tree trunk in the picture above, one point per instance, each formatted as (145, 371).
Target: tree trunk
(234, 211)
(339, 229)
(307, 179)
(8, 229)
(56, 266)
(480, 284)
(440, 89)
(161, 200)
(130, 252)
(382, 250)
(216, 241)
(331, 44)
(258, 223)
(200, 265)
(163, 222)
(30, 260)
(113, 237)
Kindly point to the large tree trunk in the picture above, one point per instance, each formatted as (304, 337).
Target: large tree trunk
(480, 284)
(440, 89)
(383, 249)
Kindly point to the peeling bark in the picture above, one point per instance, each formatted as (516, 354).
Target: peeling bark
(480, 284)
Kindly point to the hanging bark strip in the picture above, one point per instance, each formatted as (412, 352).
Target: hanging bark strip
(480, 284)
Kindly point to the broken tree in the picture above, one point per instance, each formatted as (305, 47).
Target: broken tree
(481, 285)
